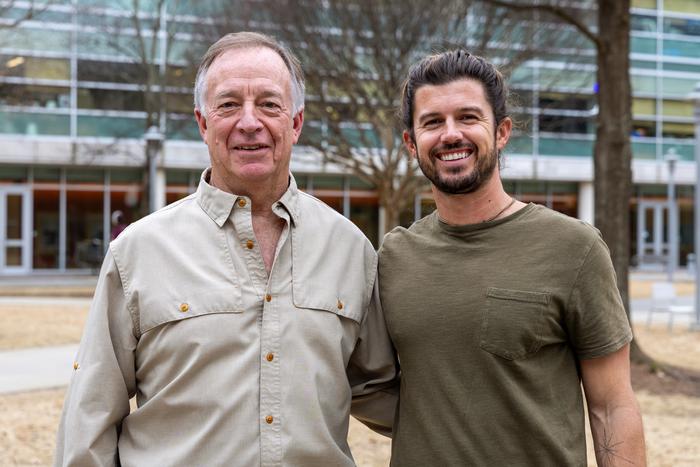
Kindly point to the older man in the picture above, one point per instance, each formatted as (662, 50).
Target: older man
(241, 317)
(499, 310)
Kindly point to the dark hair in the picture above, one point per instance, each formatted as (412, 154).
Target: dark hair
(450, 66)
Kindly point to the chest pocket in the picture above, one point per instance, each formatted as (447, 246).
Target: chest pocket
(158, 310)
(513, 322)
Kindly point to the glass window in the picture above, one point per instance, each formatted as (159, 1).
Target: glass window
(118, 45)
(643, 84)
(678, 86)
(85, 176)
(678, 130)
(364, 212)
(689, 27)
(181, 103)
(643, 128)
(84, 245)
(115, 127)
(650, 4)
(34, 67)
(677, 48)
(682, 6)
(566, 101)
(551, 146)
(46, 211)
(35, 39)
(110, 72)
(26, 123)
(358, 137)
(181, 76)
(13, 174)
(185, 129)
(677, 108)
(49, 97)
(682, 66)
(328, 181)
(120, 176)
(128, 205)
(643, 106)
(643, 150)
(643, 45)
(107, 99)
(519, 145)
(569, 78)
(562, 124)
(643, 23)
(644, 64)
(685, 151)
(46, 174)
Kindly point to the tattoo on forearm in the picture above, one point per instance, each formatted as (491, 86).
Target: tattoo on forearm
(607, 451)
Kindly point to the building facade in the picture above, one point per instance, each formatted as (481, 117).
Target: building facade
(74, 115)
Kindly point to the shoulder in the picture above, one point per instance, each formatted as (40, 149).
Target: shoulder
(151, 228)
(401, 238)
(316, 215)
(548, 221)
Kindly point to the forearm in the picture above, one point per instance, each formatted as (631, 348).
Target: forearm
(618, 437)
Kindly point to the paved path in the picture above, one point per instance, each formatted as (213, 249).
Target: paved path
(47, 367)
(36, 368)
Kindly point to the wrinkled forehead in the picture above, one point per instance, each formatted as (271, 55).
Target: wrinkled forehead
(250, 63)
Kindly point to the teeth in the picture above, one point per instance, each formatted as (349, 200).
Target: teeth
(250, 147)
(454, 156)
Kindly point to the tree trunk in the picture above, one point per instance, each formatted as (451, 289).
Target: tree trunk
(613, 153)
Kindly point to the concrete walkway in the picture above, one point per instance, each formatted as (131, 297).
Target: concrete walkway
(36, 368)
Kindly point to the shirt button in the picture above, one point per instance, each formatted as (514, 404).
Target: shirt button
(242, 202)
(184, 307)
(76, 366)
(269, 419)
(268, 298)
(249, 244)
(269, 357)
(340, 305)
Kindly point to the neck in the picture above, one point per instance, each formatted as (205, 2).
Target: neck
(487, 203)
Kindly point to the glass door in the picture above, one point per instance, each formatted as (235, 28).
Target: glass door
(15, 230)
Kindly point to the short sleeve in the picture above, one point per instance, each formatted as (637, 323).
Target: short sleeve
(595, 316)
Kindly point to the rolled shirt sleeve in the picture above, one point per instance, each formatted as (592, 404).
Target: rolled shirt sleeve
(373, 372)
(97, 399)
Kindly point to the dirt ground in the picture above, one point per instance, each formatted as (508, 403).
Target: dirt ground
(669, 398)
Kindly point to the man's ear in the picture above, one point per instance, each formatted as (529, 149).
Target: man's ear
(409, 143)
(297, 123)
(201, 124)
(503, 132)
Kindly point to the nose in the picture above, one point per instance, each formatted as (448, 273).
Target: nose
(249, 122)
(451, 133)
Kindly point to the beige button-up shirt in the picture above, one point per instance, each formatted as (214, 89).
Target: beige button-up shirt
(229, 366)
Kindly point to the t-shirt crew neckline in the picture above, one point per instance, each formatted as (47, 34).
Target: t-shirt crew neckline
(466, 228)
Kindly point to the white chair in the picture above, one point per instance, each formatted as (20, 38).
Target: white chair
(663, 300)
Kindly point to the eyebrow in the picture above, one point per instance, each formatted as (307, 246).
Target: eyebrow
(263, 94)
(474, 109)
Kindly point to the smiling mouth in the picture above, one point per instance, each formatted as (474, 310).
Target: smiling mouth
(250, 147)
(454, 156)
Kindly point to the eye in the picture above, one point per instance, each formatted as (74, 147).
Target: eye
(467, 117)
(270, 105)
(431, 123)
(226, 105)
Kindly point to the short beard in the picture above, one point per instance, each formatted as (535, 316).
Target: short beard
(483, 169)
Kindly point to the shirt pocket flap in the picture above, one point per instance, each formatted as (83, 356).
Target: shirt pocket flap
(316, 298)
(165, 309)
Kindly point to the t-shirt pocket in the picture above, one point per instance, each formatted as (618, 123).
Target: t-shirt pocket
(513, 322)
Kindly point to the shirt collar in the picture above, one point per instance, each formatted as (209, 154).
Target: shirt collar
(218, 203)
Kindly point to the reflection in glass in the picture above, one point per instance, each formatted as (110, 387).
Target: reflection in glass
(84, 248)
(46, 209)
(13, 256)
(14, 217)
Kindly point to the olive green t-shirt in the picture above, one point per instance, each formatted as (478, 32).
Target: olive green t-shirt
(489, 321)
